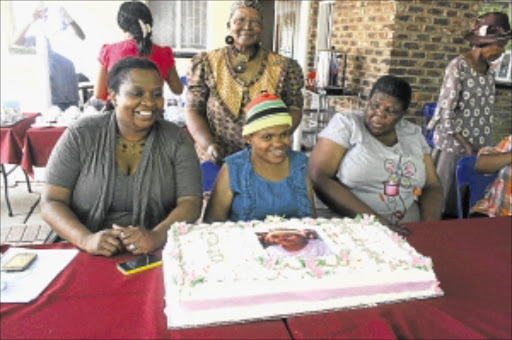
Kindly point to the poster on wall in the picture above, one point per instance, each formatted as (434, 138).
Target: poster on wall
(504, 68)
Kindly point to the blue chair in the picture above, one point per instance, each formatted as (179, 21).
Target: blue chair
(477, 183)
(428, 112)
(209, 171)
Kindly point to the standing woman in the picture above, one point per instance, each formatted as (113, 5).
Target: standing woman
(223, 81)
(464, 115)
(135, 19)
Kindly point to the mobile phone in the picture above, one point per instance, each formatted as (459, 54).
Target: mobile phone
(139, 264)
(19, 262)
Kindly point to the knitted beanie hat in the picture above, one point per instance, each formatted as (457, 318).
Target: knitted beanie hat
(265, 110)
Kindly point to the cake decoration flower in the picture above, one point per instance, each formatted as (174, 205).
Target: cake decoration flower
(314, 269)
(182, 227)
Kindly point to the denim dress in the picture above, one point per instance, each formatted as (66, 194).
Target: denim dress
(254, 197)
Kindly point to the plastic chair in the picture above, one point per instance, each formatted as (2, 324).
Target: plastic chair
(209, 173)
(428, 112)
(477, 183)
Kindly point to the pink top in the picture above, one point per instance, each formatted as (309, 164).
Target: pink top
(162, 56)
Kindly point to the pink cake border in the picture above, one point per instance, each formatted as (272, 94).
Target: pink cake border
(308, 295)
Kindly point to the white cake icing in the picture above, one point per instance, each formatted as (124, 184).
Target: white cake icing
(221, 273)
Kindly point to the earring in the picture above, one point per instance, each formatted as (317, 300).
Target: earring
(229, 40)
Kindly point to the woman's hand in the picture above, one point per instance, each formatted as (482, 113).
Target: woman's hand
(105, 242)
(214, 153)
(139, 240)
(470, 149)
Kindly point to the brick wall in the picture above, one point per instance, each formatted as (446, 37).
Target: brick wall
(413, 39)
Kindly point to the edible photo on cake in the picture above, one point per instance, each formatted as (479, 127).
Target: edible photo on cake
(304, 243)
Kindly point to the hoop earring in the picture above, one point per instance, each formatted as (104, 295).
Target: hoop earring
(229, 40)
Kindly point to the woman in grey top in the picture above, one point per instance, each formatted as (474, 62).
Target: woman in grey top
(357, 154)
(119, 179)
(464, 115)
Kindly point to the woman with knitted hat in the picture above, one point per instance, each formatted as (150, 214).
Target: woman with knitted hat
(221, 83)
(464, 116)
(135, 19)
(266, 178)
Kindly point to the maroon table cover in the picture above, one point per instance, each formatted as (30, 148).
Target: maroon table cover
(472, 260)
(11, 139)
(38, 146)
(90, 299)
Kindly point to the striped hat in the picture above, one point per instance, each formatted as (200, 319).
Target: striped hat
(265, 110)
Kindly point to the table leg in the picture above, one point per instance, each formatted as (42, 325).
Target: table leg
(32, 209)
(28, 181)
(6, 191)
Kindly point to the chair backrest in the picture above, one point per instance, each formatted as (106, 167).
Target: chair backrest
(477, 183)
(209, 171)
(428, 112)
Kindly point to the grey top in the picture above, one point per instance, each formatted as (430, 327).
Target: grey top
(465, 106)
(84, 162)
(368, 163)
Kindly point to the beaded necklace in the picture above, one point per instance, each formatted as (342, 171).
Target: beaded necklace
(242, 59)
(128, 147)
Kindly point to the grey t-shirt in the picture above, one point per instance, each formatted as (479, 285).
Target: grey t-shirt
(368, 163)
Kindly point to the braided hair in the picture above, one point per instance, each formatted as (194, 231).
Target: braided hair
(136, 19)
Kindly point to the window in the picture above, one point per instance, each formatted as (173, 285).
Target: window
(180, 24)
(325, 12)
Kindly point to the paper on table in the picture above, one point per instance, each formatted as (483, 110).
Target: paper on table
(25, 286)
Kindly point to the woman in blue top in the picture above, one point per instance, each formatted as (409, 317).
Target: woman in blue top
(266, 178)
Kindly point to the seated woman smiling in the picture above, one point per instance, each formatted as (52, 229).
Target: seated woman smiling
(267, 178)
(119, 179)
(358, 153)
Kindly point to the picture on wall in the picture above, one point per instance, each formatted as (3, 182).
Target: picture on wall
(503, 71)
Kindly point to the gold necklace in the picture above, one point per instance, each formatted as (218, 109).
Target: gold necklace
(126, 146)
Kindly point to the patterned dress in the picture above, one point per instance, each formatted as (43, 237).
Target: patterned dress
(465, 106)
(216, 91)
(497, 200)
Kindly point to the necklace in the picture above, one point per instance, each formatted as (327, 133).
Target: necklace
(128, 147)
(242, 59)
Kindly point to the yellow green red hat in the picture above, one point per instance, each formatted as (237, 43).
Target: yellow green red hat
(264, 111)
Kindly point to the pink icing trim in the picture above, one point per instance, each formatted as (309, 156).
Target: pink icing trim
(310, 295)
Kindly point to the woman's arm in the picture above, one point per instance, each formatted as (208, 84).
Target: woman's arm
(470, 148)
(100, 89)
(311, 196)
(56, 212)
(324, 162)
(221, 198)
(199, 128)
(296, 113)
(174, 81)
(431, 198)
(492, 163)
(188, 209)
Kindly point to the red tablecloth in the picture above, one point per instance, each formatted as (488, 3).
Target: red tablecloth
(11, 139)
(472, 258)
(38, 146)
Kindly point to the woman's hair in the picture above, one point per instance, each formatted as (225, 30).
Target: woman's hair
(117, 74)
(136, 19)
(394, 87)
(255, 4)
